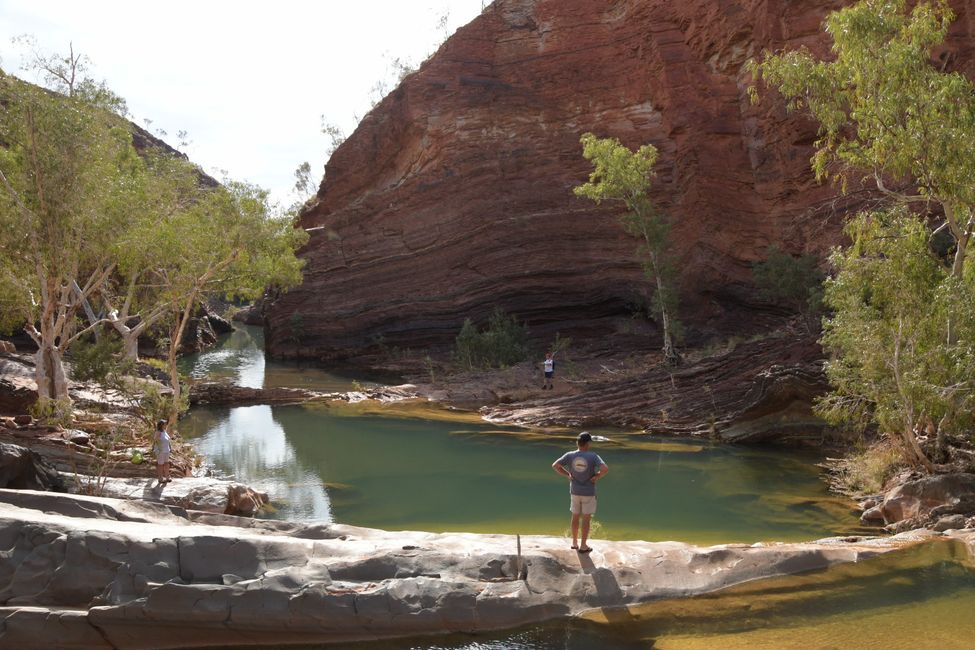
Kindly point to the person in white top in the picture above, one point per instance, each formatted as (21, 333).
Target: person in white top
(548, 366)
(162, 446)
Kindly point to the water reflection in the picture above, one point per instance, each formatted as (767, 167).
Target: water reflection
(395, 468)
(246, 443)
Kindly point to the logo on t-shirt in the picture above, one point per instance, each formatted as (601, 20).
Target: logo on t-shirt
(579, 465)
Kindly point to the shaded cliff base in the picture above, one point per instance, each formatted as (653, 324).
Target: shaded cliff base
(755, 390)
(93, 572)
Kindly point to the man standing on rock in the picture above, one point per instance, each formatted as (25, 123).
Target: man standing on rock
(583, 468)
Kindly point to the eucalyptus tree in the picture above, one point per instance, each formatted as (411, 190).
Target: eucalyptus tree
(226, 241)
(66, 168)
(891, 115)
(622, 175)
(886, 112)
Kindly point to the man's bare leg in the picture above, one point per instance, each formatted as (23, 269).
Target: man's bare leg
(585, 530)
(575, 530)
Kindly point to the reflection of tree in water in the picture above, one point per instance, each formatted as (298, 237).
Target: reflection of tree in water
(248, 444)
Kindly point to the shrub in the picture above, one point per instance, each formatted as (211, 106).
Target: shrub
(795, 282)
(868, 470)
(99, 361)
(504, 342)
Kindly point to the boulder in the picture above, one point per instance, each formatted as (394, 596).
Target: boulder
(917, 500)
(18, 390)
(219, 324)
(951, 522)
(23, 469)
(191, 493)
(251, 315)
(6, 347)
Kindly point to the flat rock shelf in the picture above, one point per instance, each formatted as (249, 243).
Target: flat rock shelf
(89, 572)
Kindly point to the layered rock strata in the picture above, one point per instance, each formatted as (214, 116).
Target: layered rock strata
(91, 572)
(761, 390)
(453, 195)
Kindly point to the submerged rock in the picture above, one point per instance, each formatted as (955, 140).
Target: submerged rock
(145, 575)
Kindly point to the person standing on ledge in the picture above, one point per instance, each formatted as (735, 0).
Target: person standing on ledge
(583, 468)
(548, 366)
(162, 447)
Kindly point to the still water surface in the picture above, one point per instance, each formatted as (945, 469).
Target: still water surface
(419, 468)
(414, 467)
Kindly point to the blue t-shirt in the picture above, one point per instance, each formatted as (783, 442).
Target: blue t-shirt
(582, 466)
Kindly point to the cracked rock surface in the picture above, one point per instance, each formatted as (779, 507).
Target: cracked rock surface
(91, 572)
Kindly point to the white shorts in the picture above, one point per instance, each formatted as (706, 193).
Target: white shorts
(579, 505)
(162, 459)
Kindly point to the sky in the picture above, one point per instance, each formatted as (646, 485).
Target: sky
(248, 81)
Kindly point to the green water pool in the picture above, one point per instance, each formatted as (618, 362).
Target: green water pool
(406, 467)
(397, 467)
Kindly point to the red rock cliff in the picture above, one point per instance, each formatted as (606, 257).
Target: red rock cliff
(454, 194)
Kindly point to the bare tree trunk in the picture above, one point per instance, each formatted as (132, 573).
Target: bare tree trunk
(918, 457)
(52, 382)
(130, 340)
(175, 340)
(670, 351)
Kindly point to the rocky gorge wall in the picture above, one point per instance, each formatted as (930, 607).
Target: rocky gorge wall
(453, 196)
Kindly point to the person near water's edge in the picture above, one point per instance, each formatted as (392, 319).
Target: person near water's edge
(548, 366)
(583, 468)
(162, 447)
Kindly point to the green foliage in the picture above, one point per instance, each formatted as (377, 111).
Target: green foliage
(155, 403)
(99, 361)
(884, 109)
(55, 412)
(504, 342)
(620, 174)
(795, 282)
(902, 334)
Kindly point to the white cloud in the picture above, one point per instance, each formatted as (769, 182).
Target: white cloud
(248, 80)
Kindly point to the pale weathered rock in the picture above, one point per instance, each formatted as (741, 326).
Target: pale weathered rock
(6, 347)
(146, 576)
(18, 390)
(951, 522)
(191, 493)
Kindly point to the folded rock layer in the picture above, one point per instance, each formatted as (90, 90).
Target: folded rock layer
(454, 195)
